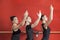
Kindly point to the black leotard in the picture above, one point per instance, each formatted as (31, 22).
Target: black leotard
(29, 32)
(46, 33)
(16, 35)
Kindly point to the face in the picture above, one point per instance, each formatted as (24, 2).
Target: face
(15, 20)
(28, 19)
(45, 18)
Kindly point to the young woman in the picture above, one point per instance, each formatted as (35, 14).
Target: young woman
(29, 26)
(45, 23)
(16, 26)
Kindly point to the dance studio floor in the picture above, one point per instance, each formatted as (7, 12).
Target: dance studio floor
(7, 36)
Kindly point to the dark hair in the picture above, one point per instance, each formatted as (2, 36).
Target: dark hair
(12, 17)
(41, 17)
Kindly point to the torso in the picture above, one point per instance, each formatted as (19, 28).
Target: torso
(29, 32)
(16, 35)
(16, 32)
(46, 32)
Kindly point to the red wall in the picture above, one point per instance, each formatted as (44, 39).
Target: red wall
(18, 7)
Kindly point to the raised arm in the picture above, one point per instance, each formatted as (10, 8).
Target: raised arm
(15, 26)
(51, 15)
(37, 21)
(24, 19)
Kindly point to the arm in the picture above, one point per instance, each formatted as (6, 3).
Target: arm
(24, 19)
(51, 15)
(22, 22)
(37, 21)
(15, 26)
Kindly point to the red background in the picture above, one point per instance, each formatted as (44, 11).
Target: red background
(17, 7)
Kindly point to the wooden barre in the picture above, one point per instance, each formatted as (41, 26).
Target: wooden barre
(53, 32)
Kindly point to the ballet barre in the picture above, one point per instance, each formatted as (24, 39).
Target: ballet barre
(35, 32)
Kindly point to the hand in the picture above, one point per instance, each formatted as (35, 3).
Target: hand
(39, 14)
(51, 7)
(26, 14)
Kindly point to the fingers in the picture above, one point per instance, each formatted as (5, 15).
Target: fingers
(39, 14)
(26, 13)
(39, 11)
(51, 7)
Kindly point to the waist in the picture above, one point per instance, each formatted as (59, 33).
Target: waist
(16, 32)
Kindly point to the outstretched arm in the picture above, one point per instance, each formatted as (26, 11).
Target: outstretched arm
(51, 15)
(21, 23)
(24, 19)
(37, 21)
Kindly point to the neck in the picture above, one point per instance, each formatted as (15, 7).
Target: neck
(27, 23)
(43, 21)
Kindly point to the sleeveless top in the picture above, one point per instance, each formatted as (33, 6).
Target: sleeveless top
(16, 35)
(16, 32)
(46, 32)
(29, 32)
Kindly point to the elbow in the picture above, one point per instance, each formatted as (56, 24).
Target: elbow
(35, 24)
(22, 24)
(51, 19)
